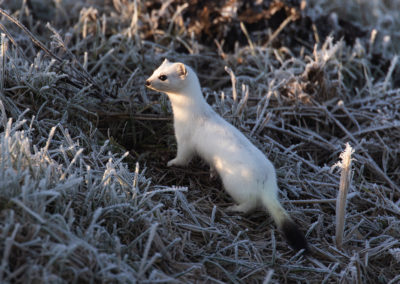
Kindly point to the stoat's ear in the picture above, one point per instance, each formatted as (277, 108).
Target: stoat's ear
(165, 61)
(182, 71)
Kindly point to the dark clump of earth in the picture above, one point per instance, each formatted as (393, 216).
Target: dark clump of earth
(227, 23)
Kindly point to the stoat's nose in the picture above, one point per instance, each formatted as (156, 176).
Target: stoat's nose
(148, 83)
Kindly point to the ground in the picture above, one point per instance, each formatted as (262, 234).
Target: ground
(85, 193)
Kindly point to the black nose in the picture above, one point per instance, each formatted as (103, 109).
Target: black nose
(148, 83)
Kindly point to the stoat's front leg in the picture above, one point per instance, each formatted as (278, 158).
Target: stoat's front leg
(183, 156)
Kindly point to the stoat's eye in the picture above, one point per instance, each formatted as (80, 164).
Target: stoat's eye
(162, 77)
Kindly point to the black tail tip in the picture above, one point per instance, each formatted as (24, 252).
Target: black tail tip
(294, 236)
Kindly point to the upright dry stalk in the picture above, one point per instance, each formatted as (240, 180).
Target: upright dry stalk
(345, 179)
(3, 59)
(234, 92)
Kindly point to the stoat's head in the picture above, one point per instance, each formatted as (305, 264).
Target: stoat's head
(173, 78)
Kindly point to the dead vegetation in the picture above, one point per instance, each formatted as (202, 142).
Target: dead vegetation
(85, 195)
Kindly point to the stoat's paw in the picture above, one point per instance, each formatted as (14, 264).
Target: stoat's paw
(213, 174)
(243, 208)
(234, 209)
(175, 162)
(171, 163)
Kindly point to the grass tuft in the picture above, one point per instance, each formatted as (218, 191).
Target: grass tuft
(85, 194)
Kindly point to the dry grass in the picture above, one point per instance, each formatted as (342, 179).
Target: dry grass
(85, 195)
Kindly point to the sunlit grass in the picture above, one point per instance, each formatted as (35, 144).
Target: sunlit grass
(85, 194)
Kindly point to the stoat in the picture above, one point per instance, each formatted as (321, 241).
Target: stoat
(247, 175)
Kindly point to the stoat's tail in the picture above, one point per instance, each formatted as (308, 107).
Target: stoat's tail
(293, 234)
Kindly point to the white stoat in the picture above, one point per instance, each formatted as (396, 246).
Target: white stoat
(247, 175)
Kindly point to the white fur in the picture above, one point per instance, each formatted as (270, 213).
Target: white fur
(247, 175)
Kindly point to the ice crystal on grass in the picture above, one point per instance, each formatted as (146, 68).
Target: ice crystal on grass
(85, 194)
